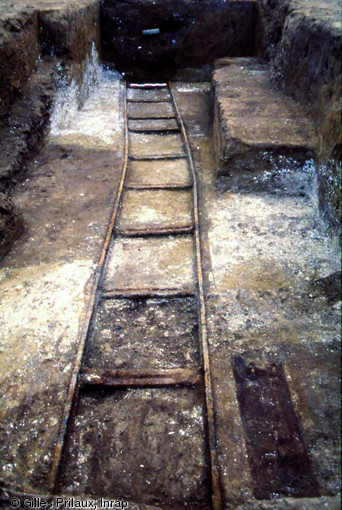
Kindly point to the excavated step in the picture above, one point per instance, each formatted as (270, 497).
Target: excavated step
(256, 127)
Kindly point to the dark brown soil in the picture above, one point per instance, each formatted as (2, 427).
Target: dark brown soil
(189, 35)
(11, 223)
(144, 334)
(145, 445)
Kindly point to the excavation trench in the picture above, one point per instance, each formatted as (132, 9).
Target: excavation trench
(170, 317)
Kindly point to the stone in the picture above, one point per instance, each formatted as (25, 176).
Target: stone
(256, 128)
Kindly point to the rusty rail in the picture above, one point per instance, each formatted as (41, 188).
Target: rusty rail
(93, 296)
(161, 231)
(215, 479)
(149, 292)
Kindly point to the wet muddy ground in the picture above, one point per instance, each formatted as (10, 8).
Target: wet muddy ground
(134, 434)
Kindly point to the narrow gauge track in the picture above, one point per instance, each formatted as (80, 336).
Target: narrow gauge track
(143, 353)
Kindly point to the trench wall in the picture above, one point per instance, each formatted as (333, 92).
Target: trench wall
(34, 42)
(301, 41)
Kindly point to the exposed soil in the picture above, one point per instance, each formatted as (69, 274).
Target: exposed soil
(66, 200)
(35, 42)
(144, 445)
(271, 267)
(61, 34)
(147, 210)
(144, 335)
(155, 263)
(302, 43)
(11, 224)
(256, 128)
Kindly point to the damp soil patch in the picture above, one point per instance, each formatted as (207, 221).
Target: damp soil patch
(143, 445)
(144, 334)
(153, 125)
(148, 95)
(152, 110)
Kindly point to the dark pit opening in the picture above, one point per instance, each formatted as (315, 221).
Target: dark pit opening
(156, 40)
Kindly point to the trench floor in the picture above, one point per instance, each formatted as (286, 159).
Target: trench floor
(273, 330)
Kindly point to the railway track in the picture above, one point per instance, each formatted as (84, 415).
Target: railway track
(139, 417)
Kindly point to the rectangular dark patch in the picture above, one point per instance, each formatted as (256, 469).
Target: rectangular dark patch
(277, 453)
